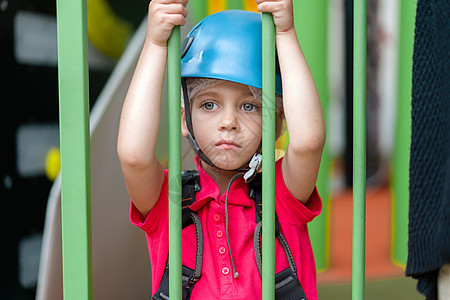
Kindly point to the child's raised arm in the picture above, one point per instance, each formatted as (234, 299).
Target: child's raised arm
(302, 107)
(139, 122)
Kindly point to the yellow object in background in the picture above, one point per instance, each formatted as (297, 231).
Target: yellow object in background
(52, 163)
(250, 5)
(283, 140)
(215, 6)
(106, 31)
(279, 153)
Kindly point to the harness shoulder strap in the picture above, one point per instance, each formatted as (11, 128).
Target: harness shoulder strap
(189, 187)
(255, 193)
(189, 277)
(287, 284)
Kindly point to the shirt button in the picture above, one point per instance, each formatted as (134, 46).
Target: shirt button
(225, 271)
(222, 250)
(219, 233)
(216, 218)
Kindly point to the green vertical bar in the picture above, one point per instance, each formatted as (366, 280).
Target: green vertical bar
(311, 19)
(359, 148)
(268, 146)
(197, 10)
(174, 96)
(74, 143)
(234, 4)
(400, 175)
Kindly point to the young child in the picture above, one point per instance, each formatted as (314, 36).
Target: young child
(221, 115)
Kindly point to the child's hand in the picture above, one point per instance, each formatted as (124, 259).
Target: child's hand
(282, 11)
(163, 15)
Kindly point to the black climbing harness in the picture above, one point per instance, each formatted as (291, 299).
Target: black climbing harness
(287, 285)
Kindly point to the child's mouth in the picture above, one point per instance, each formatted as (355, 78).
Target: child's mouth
(227, 145)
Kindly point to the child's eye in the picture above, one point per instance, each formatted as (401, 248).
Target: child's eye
(249, 107)
(209, 105)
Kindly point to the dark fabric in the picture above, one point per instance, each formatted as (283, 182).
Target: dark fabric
(429, 209)
(186, 284)
(287, 286)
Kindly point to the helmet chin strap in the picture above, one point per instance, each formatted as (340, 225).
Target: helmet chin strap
(255, 162)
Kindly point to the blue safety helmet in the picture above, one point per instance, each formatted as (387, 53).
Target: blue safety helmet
(226, 45)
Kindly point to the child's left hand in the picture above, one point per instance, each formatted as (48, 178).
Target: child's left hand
(282, 11)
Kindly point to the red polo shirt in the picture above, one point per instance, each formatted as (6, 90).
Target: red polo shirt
(217, 281)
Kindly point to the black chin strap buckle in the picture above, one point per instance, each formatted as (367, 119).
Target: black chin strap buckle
(255, 166)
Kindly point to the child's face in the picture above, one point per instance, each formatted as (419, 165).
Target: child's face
(227, 124)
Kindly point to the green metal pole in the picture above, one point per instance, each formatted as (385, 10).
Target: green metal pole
(359, 148)
(75, 144)
(311, 19)
(268, 146)
(400, 172)
(174, 96)
(197, 10)
(234, 4)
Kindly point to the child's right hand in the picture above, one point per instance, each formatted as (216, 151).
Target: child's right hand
(163, 15)
(282, 12)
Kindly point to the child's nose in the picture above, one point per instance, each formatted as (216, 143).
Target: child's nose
(229, 121)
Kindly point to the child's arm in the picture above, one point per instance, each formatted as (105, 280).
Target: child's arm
(139, 122)
(302, 107)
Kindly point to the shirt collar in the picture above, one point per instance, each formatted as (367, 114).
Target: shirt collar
(210, 191)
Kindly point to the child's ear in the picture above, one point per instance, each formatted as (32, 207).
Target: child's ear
(184, 129)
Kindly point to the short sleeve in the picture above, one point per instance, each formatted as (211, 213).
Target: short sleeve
(289, 209)
(157, 214)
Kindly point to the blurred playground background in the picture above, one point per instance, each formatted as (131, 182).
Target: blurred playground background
(30, 216)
